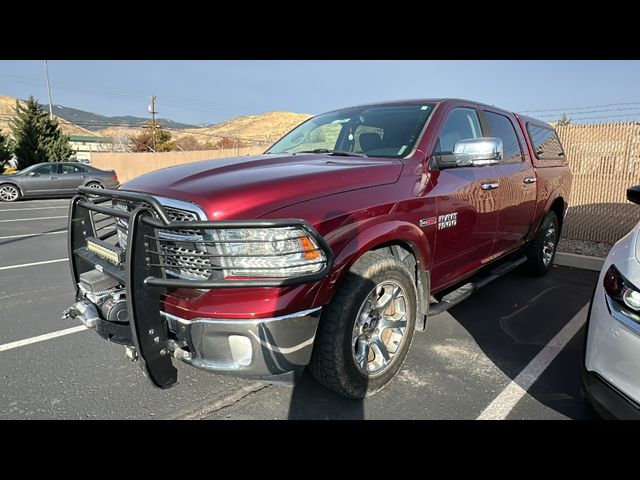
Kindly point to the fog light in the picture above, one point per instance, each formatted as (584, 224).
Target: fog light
(240, 349)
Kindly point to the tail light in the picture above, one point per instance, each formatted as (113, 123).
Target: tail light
(115, 176)
(623, 292)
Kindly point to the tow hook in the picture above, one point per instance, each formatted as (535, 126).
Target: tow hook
(86, 312)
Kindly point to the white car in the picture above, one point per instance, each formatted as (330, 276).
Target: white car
(612, 352)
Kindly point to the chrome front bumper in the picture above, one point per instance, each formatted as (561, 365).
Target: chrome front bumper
(270, 349)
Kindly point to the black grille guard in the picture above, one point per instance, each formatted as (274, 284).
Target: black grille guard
(144, 272)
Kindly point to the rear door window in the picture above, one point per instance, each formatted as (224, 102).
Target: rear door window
(545, 142)
(73, 169)
(502, 128)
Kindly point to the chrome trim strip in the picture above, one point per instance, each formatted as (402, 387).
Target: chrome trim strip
(239, 321)
(283, 350)
(621, 317)
(182, 205)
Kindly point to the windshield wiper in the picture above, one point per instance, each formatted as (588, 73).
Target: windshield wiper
(339, 153)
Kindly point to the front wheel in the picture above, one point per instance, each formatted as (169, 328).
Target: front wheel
(9, 193)
(365, 332)
(542, 250)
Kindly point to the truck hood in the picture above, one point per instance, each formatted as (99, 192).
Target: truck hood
(250, 187)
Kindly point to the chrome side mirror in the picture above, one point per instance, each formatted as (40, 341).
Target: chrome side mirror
(32, 174)
(478, 152)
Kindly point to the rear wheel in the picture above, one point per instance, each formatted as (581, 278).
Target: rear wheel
(9, 193)
(365, 332)
(542, 250)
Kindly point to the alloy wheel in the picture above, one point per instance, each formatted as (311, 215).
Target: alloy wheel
(8, 193)
(379, 330)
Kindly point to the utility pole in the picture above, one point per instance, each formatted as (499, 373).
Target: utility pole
(46, 74)
(152, 111)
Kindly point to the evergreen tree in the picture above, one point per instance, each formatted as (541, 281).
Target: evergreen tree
(57, 146)
(5, 151)
(37, 138)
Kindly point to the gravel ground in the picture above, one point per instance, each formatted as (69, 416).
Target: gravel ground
(584, 247)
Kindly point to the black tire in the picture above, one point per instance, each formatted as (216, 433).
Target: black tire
(538, 261)
(96, 185)
(332, 361)
(5, 188)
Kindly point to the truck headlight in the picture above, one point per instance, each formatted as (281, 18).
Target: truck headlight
(623, 293)
(268, 252)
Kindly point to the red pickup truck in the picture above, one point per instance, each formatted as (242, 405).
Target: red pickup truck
(327, 251)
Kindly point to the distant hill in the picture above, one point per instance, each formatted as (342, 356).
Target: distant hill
(95, 121)
(7, 111)
(266, 127)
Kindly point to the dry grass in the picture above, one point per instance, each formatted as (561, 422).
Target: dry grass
(7, 110)
(267, 126)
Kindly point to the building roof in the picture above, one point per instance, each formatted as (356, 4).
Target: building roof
(89, 139)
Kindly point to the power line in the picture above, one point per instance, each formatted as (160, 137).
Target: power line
(571, 109)
(595, 111)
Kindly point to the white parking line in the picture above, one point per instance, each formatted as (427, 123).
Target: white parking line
(27, 219)
(9, 267)
(38, 200)
(41, 338)
(26, 209)
(504, 403)
(32, 234)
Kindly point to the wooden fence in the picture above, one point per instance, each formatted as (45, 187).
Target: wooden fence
(130, 165)
(605, 160)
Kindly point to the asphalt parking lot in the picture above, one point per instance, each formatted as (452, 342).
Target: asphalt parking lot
(511, 351)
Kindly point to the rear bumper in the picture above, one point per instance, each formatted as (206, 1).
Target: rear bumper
(273, 349)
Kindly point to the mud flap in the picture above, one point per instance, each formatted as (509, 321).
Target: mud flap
(148, 329)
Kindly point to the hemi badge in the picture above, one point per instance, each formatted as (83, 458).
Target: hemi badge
(427, 222)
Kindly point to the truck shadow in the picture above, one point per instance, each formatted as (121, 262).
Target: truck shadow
(515, 317)
(510, 320)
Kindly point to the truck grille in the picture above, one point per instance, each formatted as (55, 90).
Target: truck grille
(186, 259)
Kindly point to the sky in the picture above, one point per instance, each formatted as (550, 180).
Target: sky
(199, 92)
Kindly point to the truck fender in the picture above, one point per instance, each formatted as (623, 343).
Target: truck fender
(374, 236)
(555, 194)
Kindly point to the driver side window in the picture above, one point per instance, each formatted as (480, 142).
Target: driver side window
(45, 170)
(461, 124)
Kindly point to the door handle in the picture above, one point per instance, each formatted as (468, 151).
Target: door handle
(530, 180)
(490, 186)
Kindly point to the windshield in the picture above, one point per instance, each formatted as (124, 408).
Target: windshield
(375, 131)
(27, 169)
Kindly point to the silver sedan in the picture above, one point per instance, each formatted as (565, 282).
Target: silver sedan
(54, 179)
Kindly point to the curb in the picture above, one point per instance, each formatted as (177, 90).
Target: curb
(584, 262)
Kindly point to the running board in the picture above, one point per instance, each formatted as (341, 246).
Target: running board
(466, 290)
